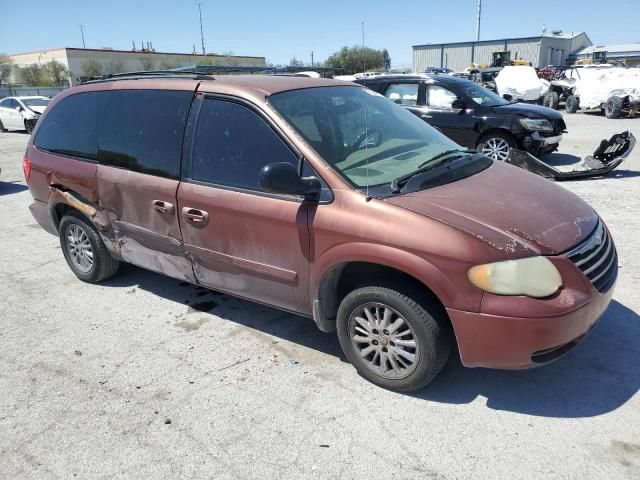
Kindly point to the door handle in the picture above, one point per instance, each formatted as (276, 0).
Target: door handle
(425, 116)
(194, 215)
(162, 206)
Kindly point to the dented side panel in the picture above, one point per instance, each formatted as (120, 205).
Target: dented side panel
(144, 235)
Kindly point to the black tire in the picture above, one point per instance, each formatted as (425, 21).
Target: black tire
(551, 100)
(613, 108)
(572, 104)
(430, 330)
(29, 125)
(2, 129)
(496, 136)
(104, 265)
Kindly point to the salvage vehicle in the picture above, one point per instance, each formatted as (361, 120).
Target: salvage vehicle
(21, 113)
(324, 199)
(613, 90)
(473, 116)
(521, 83)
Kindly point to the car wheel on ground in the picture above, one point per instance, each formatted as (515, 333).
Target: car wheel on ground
(84, 250)
(392, 340)
(29, 125)
(613, 107)
(551, 100)
(496, 145)
(572, 104)
(2, 129)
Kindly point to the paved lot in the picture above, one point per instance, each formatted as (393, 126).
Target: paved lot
(145, 377)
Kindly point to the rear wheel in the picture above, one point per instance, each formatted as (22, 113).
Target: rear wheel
(392, 340)
(496, 145)
(84, 250)
(572, 104)
(551, 100)
(613, 108)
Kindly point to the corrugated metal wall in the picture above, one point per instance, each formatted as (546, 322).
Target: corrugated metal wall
(527, 49)
(424, 57)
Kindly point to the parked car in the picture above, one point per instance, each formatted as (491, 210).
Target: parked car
(473, 116)
(438, 70)
(21, 113)
(328, 200)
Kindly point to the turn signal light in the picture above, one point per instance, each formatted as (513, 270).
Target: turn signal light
(26, 166)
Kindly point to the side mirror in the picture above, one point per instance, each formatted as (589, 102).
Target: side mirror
(458, 104)
(19, 108)
(283, 177)
(507, 97)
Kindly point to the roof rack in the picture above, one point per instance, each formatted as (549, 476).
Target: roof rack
(150, 73)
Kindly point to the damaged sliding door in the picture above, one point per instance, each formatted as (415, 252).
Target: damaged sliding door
(139, 174)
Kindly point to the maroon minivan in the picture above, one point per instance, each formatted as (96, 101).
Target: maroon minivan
(325, 199)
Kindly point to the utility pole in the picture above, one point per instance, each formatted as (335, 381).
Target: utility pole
(201, 33)
(82, 27)
(311, 60)
(364, 66)
(478, 23)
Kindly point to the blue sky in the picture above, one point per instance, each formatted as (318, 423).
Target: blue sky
(283, 29)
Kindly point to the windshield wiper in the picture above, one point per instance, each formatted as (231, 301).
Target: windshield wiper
(398, 183)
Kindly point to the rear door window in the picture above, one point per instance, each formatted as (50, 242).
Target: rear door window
(440, 97)
(71, 127)
(403, 93)
(142, 130)
(232, 144)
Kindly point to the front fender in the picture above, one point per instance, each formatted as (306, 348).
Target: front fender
(407, 262)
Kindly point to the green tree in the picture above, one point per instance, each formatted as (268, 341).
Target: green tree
(6, 66)
(92, 68)
(147, 63)
(387, 59)
(294, 62)
(57, 72)
(358, 59)
(36, 75)
(116, 66)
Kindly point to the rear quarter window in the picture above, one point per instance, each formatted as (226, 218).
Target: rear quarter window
(71, 126)
(142, 130)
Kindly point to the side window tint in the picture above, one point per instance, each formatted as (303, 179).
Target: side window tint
(71, 127)
(440, 97)
(5, 103)
(232, 144)
(142, 130)
(403, 93)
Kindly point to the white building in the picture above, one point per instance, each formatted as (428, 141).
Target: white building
(83, 62)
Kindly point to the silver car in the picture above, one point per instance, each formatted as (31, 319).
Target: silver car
(21, 113)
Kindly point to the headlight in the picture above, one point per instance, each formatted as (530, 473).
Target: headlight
(540, 125)
(534, 277)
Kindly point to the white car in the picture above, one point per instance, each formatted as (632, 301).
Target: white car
(21, 113)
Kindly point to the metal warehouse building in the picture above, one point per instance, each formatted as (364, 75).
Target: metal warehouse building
(552, 48)
(627, 53)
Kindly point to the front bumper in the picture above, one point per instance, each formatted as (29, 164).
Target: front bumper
(507, 342)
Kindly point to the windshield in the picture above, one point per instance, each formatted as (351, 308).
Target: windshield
(367, 138)
(35, 102)
(483, 96)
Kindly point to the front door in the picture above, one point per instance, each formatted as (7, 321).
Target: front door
(241, 240)
(138, 176)
(11, 116)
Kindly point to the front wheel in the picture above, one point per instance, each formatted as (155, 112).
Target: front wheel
(551, 100)
(613, 107)
(392, 340)
(572, 104)
(84, 250)
(496, 146)
(29, 125)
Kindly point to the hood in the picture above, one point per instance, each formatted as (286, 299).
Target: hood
(530, 111)
(512, 210)
(37, 109)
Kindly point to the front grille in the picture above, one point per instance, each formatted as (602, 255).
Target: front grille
(597, 258)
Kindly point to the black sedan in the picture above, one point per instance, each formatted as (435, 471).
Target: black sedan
(473, 116)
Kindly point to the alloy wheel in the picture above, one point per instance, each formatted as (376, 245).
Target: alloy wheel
(80, 249)
(385, 341)
(497, 148)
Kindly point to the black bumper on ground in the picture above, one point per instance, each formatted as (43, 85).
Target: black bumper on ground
(609, 154)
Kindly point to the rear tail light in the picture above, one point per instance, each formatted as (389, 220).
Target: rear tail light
(26, 166)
